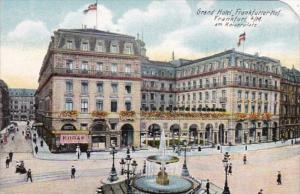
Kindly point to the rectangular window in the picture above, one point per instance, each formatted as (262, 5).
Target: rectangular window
(99, 67)
(68, 104)
(114, 88)
(194, 96)
(266, 96)
(206, 96)
(266, 108)
(113, 106)
(200, 83)
(85, 46)
(259, 108)
(69, 65)
(144, 96)
(239, 95)
(69, 44)
(246, 95)
(246, 108)
(224, 81)
(99, 105)
(275, 109)
(162, 97)
(100, 46)
(200, 95)
(114, 67)
(84, 87)
(162, 86)
(84, 105)
(69, 86)
(207, 83)
(214, 95)
(127, 68)
(239, 108)
(152, 96)
(253, 95)
(84, 66)
(253, 108)
(100, 87)
(128, 89)
(128, 106)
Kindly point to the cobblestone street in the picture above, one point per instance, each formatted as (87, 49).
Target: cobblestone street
(259, 172)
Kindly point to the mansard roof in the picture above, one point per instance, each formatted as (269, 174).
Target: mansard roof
(21, 92)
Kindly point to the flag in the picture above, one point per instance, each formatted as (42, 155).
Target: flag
(242, 37)
(90, 8)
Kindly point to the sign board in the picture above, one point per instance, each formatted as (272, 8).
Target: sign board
(67, 139)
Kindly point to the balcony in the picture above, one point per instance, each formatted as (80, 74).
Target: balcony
(94, 73)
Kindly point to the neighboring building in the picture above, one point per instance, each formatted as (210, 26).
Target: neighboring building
(290, 103)
(21, 104)
(4, 105)
(89, 82)
(246, 86)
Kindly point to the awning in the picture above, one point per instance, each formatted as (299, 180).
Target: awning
(77, 132)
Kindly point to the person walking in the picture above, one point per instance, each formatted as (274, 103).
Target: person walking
(73, 171)
(207, 186)
(13, 138)
(246, 148)
(78, 152)
(29, 176)
(36, 149)
(279, 178)
(7, 161)
(260, 192)
(10, 154)
(230, 169)
(88, 154)
(133, 149)
(42, 143)
(245, 159)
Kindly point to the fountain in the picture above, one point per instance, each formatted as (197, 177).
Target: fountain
(162, 182)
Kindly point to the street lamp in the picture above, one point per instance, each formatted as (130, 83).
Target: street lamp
(128, 171)
(113, 173)
(185, 171)
(226, 165)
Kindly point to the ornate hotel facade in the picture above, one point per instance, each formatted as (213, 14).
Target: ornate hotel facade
(4, 105)
(99, 89)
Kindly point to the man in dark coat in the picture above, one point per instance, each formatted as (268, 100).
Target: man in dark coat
(230, 169)
(29, 175)
(7, 161)
(88, 154)
(279, 178)
(36, 149)
(207, 186)
(10, 154)
(245, 159)
(73, 171)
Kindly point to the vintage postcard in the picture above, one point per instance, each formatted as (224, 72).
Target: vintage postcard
(149, 97)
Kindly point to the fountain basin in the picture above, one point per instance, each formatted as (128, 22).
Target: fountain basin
(159, 158)
(177, 185)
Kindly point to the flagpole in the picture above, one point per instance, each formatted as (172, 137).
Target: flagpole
(97, 14)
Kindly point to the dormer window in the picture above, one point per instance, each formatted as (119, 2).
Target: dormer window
(100, 46)
(128, 49)
(69, 44)
(85, 46)
(114, 48)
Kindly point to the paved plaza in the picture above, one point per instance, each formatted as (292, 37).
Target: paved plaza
(53, 176)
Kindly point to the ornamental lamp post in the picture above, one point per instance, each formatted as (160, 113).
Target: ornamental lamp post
(127, 171)
(185, 171)
(113, 173)
(226, 165)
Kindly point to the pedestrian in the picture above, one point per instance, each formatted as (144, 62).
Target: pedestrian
(17, 129)
(13, 138)
(199, 149)
(73, 171)
(34, 139)
(279, 178)
(29, 176)
(36, 149)
(78, 152)
(207, 186)
(246, 147)
(10, 154)
(245, 159)
(292, 141)
(7, 161)
(23, 133)
(260, 192)
(42, 143)
(133, 149)
(88, 154)
(230, 169)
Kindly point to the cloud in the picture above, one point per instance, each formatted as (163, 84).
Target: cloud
(29, 32)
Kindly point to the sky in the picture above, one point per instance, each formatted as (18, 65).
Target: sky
(26, 27)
